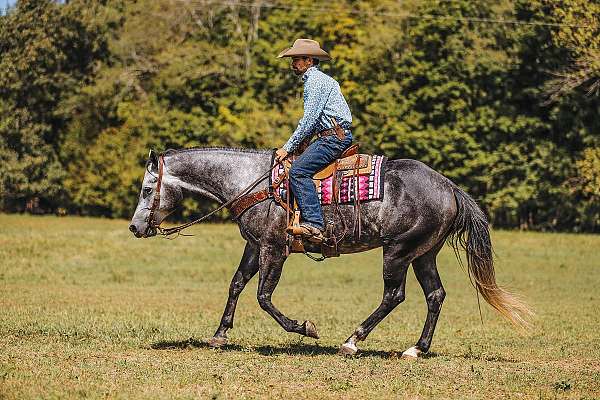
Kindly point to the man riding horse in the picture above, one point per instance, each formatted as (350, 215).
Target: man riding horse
(420, 211)
(326, 115)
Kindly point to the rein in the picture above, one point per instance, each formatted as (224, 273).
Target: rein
(177, 229)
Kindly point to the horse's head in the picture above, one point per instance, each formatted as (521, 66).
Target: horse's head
(158, 197)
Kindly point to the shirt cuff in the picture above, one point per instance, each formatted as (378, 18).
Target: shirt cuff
(288, 147)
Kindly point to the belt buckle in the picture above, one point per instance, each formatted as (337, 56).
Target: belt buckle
(324, 132)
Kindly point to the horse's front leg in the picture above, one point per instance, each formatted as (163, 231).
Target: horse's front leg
(271, 266)
(247, 269)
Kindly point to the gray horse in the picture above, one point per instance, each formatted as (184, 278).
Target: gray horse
(420, 210)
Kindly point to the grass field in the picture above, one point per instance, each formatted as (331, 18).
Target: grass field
(88, 311)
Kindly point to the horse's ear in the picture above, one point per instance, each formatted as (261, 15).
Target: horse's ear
(153, 157)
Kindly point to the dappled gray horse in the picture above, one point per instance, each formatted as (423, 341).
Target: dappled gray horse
(420, 210)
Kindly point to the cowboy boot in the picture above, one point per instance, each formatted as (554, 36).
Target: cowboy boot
(310, 233)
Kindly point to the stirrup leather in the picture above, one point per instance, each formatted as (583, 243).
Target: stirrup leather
(295, 240)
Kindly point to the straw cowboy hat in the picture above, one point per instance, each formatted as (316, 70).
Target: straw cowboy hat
(307, 48)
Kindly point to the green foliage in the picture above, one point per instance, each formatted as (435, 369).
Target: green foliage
(48, 51)
(585, 187)
(589, 172)
(113, 79)
(581, 35)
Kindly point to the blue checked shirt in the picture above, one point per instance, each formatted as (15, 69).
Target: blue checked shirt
(322, 99)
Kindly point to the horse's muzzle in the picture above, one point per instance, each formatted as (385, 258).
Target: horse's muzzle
(150, 231)
(134, 230)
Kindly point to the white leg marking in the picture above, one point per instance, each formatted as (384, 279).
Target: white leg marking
(348, 349)
(411, 353)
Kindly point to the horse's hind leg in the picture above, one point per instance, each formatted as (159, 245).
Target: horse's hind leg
(426, 272)
(395, 265)
(246, 270)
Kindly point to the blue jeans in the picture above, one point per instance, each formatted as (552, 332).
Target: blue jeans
(316, 156)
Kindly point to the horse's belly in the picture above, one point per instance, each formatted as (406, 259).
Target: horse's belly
(345, 248)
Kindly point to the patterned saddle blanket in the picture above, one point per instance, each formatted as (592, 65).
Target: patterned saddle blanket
(340, 178)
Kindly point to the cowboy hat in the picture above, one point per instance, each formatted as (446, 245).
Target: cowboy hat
(306, 48)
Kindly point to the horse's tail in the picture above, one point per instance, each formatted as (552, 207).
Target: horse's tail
(471, 232)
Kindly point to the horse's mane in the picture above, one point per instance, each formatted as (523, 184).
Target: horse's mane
(227, 149)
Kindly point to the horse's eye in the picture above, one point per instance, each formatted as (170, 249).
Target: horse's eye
(147, 191)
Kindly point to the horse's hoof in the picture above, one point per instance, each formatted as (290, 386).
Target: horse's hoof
(310, 330)
(348, 349)
(411, 354)
(217, 341)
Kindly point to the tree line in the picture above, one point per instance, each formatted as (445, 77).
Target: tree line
(501, 97)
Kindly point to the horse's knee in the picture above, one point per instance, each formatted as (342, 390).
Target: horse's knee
(236, 288)
(399, 297)
(435, 300)
(264, 301)
(395, 297)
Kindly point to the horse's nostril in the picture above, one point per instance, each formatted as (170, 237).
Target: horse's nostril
(132, 228)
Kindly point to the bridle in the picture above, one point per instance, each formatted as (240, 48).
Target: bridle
(156, 202)
(177, 229)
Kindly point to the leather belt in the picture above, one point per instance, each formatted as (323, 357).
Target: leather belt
(326, 132)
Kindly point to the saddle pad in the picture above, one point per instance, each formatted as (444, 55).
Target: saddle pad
(370, 185)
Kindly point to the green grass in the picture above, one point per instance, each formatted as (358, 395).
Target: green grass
(86, 310)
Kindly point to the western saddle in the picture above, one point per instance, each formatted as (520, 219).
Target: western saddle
(349, 164)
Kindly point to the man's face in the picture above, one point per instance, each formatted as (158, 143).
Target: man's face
(301, 64)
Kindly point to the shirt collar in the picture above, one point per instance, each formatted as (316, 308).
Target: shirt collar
(308, 73)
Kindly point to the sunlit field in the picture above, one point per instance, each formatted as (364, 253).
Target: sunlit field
(87, 310)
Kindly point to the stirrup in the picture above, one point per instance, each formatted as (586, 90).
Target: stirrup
(294, 227)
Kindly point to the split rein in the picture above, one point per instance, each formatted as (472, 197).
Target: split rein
(177, 229)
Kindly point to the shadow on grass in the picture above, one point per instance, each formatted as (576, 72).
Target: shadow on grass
(306, 349)
(492, 358)
(303, 349)
(190, 343)
(316, 350)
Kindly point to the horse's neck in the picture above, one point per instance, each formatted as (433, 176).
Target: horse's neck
(219, 174)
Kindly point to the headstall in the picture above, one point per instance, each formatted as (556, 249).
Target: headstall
(156, 201)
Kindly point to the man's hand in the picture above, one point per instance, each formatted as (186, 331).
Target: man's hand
(281, 154)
